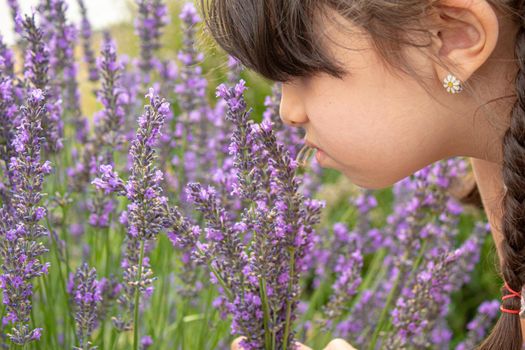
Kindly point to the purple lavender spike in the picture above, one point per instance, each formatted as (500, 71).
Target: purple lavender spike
(19, 228)
(85, 32)
(85, 290)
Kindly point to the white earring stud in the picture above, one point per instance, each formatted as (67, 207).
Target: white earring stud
(452, 84)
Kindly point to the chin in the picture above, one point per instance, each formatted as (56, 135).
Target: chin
(368, 183)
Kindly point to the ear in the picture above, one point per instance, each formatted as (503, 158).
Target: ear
(465, 34)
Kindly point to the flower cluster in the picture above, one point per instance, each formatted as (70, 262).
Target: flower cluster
(257, 259)
(420, 231)
(146, 213)
(109, 123)
(419, 307)
(37, 70)
(110, 120)
(15, 12)
(62, 37)
(86, 293)
(152, 16)
(292, 138)
(192, 87)
(9, 96)
(85, 32)
(199, 131)
(6, 59)
(478, 327)
(20, 230)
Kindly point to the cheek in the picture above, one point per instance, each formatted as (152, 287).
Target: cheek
(375, 146)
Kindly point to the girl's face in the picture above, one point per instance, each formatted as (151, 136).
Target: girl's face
(377, 127)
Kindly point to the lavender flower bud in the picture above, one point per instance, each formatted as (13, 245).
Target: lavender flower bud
(15, 13)
(86, 294)
(110, 121)
(152, 16)
(36, 70)
(85, 32)
(109, 135)
(146, 342)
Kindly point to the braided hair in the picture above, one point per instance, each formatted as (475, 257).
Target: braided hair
(507, 333)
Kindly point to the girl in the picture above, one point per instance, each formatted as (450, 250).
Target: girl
(384, 88)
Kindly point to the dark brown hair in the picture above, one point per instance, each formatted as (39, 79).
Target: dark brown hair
(279, 39)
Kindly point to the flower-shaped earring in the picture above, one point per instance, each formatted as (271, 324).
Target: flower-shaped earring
(452, 84)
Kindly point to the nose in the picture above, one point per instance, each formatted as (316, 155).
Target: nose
(292, 110)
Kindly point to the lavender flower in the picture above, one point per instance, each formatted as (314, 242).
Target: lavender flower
(478, 327)
(198, 131)
(146, 213)
(420, 230)
(293, 138)
(20, 229)
(191, 90)
(294, 227)
(86, 293)
(110, 289)
(62, 37)
(6, 59)
(152, 16)
(109, 122)
(348, 271)
(9, 96)
(85, 31)
(242, 142)
(108, 128)
(132, 82)
(15, 12)
(36, 70)
(36, 64)
(415, 313)
(276, 225)
(146, 342)
(234, 70)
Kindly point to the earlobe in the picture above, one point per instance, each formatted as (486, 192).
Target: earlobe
(466, 35)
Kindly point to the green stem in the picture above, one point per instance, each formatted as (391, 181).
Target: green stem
(289, 301)
(65, 237)
(217, 275)
(114, 337)
(183, 331)
(384, 312)
(266, 310)
(44, 303)
(64, 288)
(108, 252)
(136, 304)
(50, 300)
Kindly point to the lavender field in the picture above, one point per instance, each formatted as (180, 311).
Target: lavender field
(151, 198)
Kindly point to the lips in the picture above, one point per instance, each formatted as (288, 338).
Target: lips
(312, 144)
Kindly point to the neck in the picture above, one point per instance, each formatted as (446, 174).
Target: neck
(490, 185)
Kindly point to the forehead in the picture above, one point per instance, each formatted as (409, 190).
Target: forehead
(341, 38)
